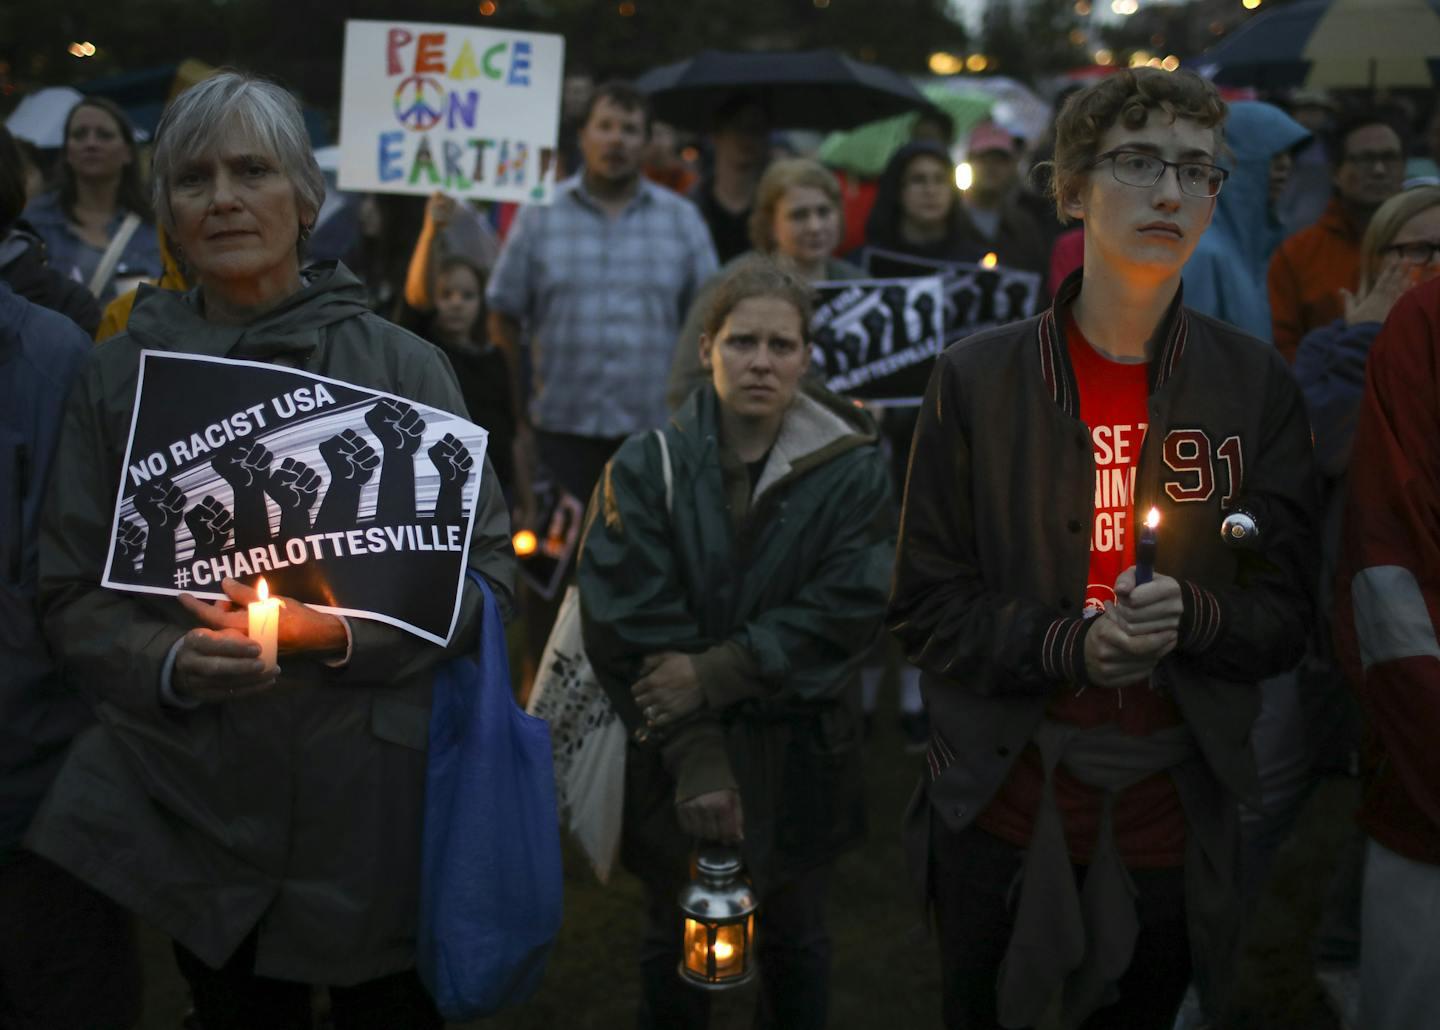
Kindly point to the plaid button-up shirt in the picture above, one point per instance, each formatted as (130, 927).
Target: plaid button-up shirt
(603, 298)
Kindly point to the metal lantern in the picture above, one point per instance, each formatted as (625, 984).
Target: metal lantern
(719, 909)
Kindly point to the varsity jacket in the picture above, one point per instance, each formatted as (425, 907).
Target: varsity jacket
(993, 559)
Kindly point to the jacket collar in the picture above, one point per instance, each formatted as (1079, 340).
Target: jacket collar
(575, 187)
(168, 320)
(1055, 364)
(1337, 221)
(817, 427)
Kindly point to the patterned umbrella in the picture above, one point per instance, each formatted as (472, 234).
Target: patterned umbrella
(1334, 44)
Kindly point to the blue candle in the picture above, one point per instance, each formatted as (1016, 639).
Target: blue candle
(1145, 548)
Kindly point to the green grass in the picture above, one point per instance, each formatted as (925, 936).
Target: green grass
(886, 972)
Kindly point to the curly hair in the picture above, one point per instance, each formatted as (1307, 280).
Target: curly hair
(755, 275)
(1126, 98)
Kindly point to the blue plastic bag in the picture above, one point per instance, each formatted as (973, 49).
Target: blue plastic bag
(490, 877)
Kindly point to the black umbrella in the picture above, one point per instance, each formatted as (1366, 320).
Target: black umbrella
(810, 89)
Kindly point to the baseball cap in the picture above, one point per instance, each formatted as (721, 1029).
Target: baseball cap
(989, 136)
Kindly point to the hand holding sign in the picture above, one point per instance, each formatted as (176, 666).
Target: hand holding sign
(303, 630)
(219, 662)
(440, 210)
(452, 460)
(209, 524)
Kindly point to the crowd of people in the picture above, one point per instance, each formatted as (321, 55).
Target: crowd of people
(1119, 725)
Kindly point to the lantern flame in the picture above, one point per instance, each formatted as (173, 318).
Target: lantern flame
(723, 951)
(990, 260)
(1153, 519)
(524, 543)
(262, 591)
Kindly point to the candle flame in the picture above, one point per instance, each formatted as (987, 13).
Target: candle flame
(261, 590)
(990, 260)
(723, 951)
(524, 543)
(1153, 519)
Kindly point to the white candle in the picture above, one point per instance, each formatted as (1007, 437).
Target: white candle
(265, 623)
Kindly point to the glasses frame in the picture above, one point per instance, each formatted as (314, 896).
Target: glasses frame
(1165, 166)
(1371, 158)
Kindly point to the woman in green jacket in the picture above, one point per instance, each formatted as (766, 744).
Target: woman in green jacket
(267, 819)
(728, 630)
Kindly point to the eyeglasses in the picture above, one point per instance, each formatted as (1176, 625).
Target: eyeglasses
(1133, 168)
(1387, 158)
(1416, 252)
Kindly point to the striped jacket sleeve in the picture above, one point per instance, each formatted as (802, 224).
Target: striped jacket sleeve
(1388, 594)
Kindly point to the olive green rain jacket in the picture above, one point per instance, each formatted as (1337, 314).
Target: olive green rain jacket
(777, 592)
(295, 812)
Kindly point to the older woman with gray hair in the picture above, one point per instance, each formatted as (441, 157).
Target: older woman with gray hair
(267, 819)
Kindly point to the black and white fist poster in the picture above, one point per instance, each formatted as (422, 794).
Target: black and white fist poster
(977, 297)
(354, 501)
(876, 339)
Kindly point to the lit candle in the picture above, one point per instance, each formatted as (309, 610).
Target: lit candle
(265, 623)
(990, 260)
(524, 543)
(1145, 548)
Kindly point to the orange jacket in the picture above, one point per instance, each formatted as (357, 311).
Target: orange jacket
(1307, 273)
(117, 312)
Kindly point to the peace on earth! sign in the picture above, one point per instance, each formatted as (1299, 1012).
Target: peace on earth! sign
(473, 112)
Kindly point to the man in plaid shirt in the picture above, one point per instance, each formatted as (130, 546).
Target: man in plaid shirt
(602, 279)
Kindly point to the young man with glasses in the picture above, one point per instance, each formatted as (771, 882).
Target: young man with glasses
(1309, 269)
(1077, 832)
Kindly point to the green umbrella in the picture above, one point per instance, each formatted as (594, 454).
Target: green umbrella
(866, 149)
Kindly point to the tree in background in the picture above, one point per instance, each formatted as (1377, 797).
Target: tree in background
(1043, 39)
(299, 41)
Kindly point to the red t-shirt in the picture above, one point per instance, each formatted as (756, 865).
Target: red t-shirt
(1149, 823)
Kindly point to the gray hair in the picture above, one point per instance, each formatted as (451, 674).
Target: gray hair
(228, 102)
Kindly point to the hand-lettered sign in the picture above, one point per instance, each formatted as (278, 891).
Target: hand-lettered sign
(473, 112)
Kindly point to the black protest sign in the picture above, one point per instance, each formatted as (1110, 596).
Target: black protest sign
(351, 500)
(560, 514)
(876, 339)
(977, 297)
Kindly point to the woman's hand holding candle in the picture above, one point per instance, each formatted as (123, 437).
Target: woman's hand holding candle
(219, 665)
(207, 668)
